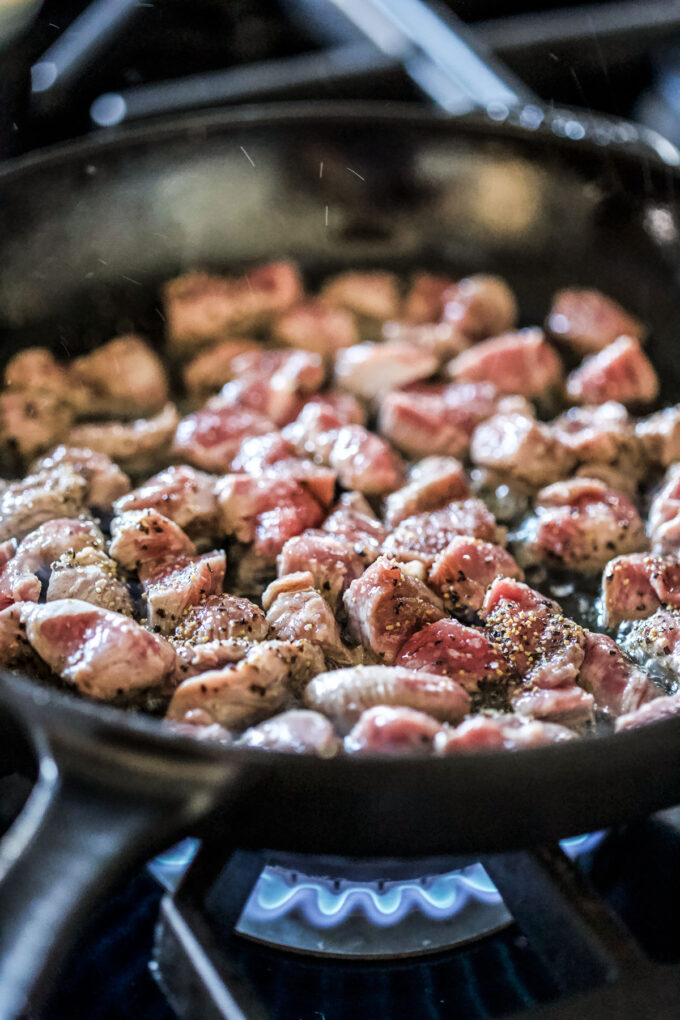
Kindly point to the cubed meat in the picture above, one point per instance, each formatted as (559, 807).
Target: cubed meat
(257, 453)
(602, 434)
(622, 372)
(123, 378)
(331, 561)
(424, 536)
(104, 655)
(316, 326)
(481, 306)
(201, 309)
(297, 731)
(372, 296)
(137, 446)
(139, 537)
(498, 733)
(617, 685)
(174, 585)
(521, 363)
(587, 320)
(183, 494)
(105, 482)
(448, 648)
(364, 462)
(564, 706)
(387, 729)
(507, 497)
(354, 522)
(40, 497)
(442, 339)
(426, 298)
(14, 647)
(296, 611)
(465, 568)
(205, 656)
(244, 501)
(36, 368)
(211, 369)
(222, 618)
(656, 638)
(581, 524)
(659, 435)
(344, 694)
(297, 370)
(663, 522)
(651, 711)
(371, 370)
(32, 421)
(314, 431)
(386, 605)
(634, 586)
(89, 576)
(432, 483)
(520, 446)
(210, 438)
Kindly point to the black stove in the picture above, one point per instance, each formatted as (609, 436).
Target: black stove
(590, 928)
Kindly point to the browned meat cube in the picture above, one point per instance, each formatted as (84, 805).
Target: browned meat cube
(522, 447)
(104, 480)
(296, 611)
(344, 694)
(90, 576)
(257, 453)
(603, 434)
(423, 536)
(136, 446)
(580, 524)
(617, 685)
(634, 586)
(371, 370)
(318, 480)
(316, 326)
(521, 363)
(222, 618)
(211, 438)
(432, 483)
(249, 505)
(442, 339)
(14, 647)
(201, 309)
(298, 731)
(564, 706)
(211, 369)
(331, 561)
(314, 431)
(656, 638)
(183, 494)
(36, 368)
(300, 371)
(386, 605)
(660, 436)
(651, 711)
(123, 378)
(32, 421)
(586, 320)
(481, 306)
(206, 656)
(105, 655)
(365, 462)
(175, 585)
(387, 729)
(499, 733)
(37, 498)
(663, 523)
(465, 568)
(622, 372)
(372, 296)
(426, 298)
(354, 522)
(146, 536)
(449, 648)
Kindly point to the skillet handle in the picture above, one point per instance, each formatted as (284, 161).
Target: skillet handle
(74, 839)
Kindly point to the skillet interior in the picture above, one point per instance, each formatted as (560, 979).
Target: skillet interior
(87, 234)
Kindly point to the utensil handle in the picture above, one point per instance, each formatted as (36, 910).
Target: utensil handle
(71, 843)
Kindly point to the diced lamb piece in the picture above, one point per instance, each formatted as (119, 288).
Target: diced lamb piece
(424, 536)
(543, 647)
(20, 577)
(298, 731)
(175, 585)
(182, 494)
(521, 363)
(565, 706)
(211, 369)
(613, 477)
(14, 647)
(252, 689)
(210, 438)
(346, 408)
(105, 655)
(123, 378)
(89, 576)
(660, 436)
(442, 339)
(104, 480)
(201, 309)
(432, 483)
(481, 306)
(297, 370)
(522, 447)
(386, 605)
(36, 368)
(465, 568)
(448, 648)
(586, 320)
(364, 462)
(277, 398)
(316, 326)
(385, 729)
(653, 711)
(320, 481)
(656, 638)
(222, 618)
(371, 296)
(634, 586)
(139, 537)
(40, 497)
(581, 524)
(257, 453)
(617, 685)
(663, 522)
(344, 694)
(499, 733)
(331, 561)
(204, 657)
(250, 506)
(622, 372)
(425, 300)
(296, 611)
(355, 523)
(314, 431)
(137, 446)
(371, 370)
(603, 434)
(32, 421)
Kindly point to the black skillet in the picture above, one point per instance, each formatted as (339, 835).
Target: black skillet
(87, 233)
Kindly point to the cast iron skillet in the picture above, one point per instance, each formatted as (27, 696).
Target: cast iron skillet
(87, 233)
